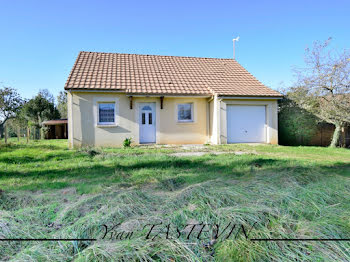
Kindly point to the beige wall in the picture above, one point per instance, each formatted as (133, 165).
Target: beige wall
(271, 117)
(209, 123)
(173, 132)
(84, 130)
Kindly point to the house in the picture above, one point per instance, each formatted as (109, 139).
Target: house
(167, 100)
(57, 129)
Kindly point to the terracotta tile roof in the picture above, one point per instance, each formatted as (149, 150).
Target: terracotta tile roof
(167, 75)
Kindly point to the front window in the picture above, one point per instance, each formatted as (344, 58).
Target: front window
(185, 112)
(106, 113)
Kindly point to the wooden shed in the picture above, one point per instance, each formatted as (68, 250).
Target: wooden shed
(57, 129)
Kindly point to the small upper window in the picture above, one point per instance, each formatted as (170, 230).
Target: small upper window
(185, 112)
(148, 108)
(106, 113)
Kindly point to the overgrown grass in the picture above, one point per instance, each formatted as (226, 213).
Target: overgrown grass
(48, 191)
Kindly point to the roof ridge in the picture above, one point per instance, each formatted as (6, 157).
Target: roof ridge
(216, 58)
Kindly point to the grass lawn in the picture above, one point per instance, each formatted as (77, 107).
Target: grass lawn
(48, 191)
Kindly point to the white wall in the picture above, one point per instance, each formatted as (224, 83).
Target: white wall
(271, 117)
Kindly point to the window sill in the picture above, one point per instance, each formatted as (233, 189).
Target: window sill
(185, 122)
(103, 126)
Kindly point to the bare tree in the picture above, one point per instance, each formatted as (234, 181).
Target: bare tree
(323, 86)
(10, 103)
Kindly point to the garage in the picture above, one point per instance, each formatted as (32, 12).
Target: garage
(246, 124)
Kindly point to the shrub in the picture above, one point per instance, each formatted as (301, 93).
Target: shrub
(127, 142)
(296, 126)
(89, 151)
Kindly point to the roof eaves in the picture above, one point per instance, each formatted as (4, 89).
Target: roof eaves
(73, 68)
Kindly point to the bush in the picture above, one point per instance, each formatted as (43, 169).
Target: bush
(91, 151)
(127, 142)
(296, 126)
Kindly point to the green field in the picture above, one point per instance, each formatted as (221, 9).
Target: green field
(49, 191)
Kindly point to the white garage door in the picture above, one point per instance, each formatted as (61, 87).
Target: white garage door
(246, 124)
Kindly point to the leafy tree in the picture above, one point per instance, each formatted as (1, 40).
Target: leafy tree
(323, 86)
(47, 95)
(14, 127)
(62, 104)
(39, 109)
(19, 124)
(10, 103)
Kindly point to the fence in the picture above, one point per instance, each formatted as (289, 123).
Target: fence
(30, 133)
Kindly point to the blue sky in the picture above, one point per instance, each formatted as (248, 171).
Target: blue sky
(39, 40)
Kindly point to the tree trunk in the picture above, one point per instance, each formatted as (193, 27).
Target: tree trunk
(336, 135)
(28, 134)
(5, 134)
(18, 133)
(42, 134)
(35, 133)
(41, 131)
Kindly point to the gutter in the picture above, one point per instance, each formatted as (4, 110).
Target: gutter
(165, 95)
(79, 90)
(251, 97)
